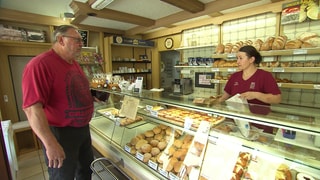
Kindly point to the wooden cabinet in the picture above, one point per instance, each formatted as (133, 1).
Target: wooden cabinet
(131, 58)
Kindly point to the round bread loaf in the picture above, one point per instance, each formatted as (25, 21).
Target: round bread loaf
(140, 143)
(155, 151)
(149, 133)
(162, 145)
(146, 157)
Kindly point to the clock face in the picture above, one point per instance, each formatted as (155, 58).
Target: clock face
(168, 43)
(119, 39)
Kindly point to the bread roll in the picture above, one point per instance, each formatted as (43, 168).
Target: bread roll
(154, 142)
(228, 48)
(155, 151)
(162, 145)
(267, 45)
(156, 130)
(279, 43)
(146, 157)
(293, 44)
(257, 44)
(140, 143)
(220, 49)
(146, 148)
(305, 36)
(149, 133)
(134, 141)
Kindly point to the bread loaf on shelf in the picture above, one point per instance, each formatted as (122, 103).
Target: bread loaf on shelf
(257, 44)
(267, 45)
(293, 44)
(279, 42)
(220, 49)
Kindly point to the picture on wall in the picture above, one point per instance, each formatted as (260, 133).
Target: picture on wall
(203, 79)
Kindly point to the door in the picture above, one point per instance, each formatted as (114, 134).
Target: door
(17, 64)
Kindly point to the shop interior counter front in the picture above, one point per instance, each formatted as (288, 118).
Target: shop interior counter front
(157, 135)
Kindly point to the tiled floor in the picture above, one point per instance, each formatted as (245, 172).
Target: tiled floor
(32, 166)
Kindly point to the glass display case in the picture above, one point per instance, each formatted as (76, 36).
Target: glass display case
(176, 137)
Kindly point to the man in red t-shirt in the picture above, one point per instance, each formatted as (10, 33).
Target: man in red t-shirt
(254, 85)
(59, 106)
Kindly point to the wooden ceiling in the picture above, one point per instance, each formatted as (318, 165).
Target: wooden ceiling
(190, 9)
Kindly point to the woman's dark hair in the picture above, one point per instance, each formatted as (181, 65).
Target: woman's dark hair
(252, 52)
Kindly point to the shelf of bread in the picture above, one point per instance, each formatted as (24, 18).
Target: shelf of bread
(302, 85)
(194, 47)
(120, 120)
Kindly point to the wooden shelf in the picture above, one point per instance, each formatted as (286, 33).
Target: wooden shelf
(281, 85)
(287, 52)
(131, 61)
(194, 47)
(131, 73)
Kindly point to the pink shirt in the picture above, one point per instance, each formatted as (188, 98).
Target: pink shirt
(62, 88)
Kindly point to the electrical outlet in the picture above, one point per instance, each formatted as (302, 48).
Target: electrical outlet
(5, 98)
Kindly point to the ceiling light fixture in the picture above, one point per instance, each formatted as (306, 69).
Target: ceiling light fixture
(100, 4)
(67, 16)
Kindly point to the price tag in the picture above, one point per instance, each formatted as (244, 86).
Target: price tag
(154, 113)
(215, 69)
(127, 148)
(215, 81)
(316, 86)
(300, 51)
(279, 84)
(163, 172)
(148, 107)
(231, 55)
(292, 117)
(117, 120)
(173, 176)
(278, 69)
(188, 123)
(153, 165)
(232, 69)
(139, 156)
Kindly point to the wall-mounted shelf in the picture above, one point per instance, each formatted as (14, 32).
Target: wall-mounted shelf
(286, 52)
(194, 47)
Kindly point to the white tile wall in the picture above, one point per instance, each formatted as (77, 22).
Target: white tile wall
(253, 28)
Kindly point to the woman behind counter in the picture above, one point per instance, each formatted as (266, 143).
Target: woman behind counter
(255, 85)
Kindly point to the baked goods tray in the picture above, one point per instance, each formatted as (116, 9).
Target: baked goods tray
(113, 114)
(187, 119)
(230, 128)
(301, 139)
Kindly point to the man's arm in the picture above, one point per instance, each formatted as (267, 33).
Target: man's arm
(39, 124)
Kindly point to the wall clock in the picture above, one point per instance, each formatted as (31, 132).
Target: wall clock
(168, 43)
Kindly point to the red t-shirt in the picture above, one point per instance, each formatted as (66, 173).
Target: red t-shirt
(62, 88)
(260, 81)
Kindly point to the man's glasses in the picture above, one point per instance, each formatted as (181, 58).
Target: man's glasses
(77, 40)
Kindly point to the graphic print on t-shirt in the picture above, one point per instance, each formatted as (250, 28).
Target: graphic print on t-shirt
(79, 98)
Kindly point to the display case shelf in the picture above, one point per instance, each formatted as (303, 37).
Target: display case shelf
(298, 119)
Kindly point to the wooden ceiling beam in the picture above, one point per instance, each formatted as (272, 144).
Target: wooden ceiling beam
(215, 6)
(85, 9)
(193, 6)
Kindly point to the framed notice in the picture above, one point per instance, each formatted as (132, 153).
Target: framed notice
(203, 79)
(85, 37)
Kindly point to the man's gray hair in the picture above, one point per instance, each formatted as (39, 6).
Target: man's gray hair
(61, 30)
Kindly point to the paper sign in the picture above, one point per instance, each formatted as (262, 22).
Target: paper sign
(129, 107)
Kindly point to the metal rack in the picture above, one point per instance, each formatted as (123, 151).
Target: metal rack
(105, 169)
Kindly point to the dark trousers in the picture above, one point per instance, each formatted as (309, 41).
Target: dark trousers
(76, 143)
